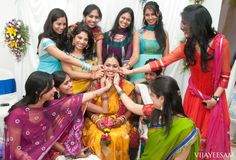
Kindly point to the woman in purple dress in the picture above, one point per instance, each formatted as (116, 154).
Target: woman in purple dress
(119, 40)
(31, 128)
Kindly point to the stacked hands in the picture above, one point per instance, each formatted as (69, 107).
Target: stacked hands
(99, 71)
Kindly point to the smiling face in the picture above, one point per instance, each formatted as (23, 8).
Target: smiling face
(125, 20)
(111, 66)
(150, 17)
(81, 40)
(150, 76)
(66, 87)
(59, 25)
(92, 19)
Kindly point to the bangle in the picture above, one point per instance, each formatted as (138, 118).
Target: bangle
(86, 66)
(97, 121)
(120, 92)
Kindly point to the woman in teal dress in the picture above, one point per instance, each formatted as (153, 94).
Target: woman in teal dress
(152, 39)
(52, 43)
(171, 135)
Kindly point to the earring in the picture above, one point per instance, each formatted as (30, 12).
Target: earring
(87, 47)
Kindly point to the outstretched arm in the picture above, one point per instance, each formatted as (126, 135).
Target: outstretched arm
(127, 101)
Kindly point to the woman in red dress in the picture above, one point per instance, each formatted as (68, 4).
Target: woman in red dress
(207, 54)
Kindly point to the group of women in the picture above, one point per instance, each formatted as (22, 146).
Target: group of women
(87, 110)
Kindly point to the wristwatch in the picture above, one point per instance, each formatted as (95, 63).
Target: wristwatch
(217, 98)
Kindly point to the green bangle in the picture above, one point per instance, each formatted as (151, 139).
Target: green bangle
(120, 92)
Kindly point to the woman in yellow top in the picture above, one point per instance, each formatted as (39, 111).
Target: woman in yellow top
(80, 47)
(108, 134)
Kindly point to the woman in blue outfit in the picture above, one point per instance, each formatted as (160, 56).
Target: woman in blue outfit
(152, 39)
(52, 42)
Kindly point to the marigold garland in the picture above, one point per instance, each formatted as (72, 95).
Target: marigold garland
(17, 37)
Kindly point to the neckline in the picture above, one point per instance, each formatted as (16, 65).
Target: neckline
(149, 28)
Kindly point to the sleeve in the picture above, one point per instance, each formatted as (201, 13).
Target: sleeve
(99, 35)
(225, 70)
(46, 42)
(175, 55)
(148, 109)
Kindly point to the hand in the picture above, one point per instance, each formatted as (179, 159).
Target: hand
(102, 81)
(100, 125)
(98, 67)
(85, 152)
(116, 79)
(108, 83)
(99, 74)
(209, 104)
(117, 123)
(127, 66)
(126, 71)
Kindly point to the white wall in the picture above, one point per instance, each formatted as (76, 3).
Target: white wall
(34, 13)
(7, 12)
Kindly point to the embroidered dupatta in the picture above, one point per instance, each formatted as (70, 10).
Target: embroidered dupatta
(31, 132)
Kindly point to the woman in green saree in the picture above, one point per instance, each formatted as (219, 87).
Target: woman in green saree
(171, 135)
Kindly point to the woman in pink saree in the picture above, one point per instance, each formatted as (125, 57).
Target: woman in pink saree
(31, 128)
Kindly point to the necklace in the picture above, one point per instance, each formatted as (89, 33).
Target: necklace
(149, 28)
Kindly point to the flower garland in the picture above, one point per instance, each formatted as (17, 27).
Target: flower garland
(17, 37)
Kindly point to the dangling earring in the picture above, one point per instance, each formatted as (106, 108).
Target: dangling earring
(87, 47)
(161, 108)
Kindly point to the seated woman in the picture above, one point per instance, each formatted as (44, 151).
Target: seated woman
(119, 40)
(32, 127)
(73, 133)
(108, 134)
(171, 134)
(80, 47)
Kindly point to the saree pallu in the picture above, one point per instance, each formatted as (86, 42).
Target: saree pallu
(183, 134)
(120, 139)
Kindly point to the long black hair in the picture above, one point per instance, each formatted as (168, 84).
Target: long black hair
(37, 84)
(159, 30)
(87, 51)
(115, 27)
(200, 22)
(157, 72)
(113, 55)
(168, 88)
(48, 32)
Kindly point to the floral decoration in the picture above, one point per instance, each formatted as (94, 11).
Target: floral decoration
(17, 37)
(106, 138)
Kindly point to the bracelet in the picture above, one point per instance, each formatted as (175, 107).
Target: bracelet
(86, 66)
(120, 92)
(129, 65)
(97, 121)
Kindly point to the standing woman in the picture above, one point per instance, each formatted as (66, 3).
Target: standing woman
(52, 43)
(119, 40)
(80, 47)
(152, 40)
(92, 15)
(208, 56)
